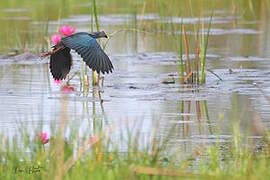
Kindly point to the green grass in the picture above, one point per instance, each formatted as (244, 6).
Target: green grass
(10, 38)
(101, 157)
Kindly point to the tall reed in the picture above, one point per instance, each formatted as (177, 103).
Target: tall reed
(181, 67)
(204, 50)
(95, 14)
(192, 73)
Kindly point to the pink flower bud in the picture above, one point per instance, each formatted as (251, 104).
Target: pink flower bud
(44, 138)
(66, 30)
(56, 38)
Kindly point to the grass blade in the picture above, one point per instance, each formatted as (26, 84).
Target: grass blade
(205, 51)
(181, 68)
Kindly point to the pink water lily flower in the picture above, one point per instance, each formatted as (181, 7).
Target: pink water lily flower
(56, 38)
(66, 30)
(44, 138)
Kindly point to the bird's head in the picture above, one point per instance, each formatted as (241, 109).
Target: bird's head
(99, 34)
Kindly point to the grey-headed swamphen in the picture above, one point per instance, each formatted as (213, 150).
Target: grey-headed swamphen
(84, 44)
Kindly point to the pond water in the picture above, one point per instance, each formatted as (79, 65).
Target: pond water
(135, 94)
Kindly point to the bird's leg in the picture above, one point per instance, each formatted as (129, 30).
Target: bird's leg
(86, 82)
(67, 83)
(71, 77)
(98, 78)
(45, 54)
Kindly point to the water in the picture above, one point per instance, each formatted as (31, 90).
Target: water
(135, 94)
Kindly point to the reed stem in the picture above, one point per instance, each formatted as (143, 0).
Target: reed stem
(181, 68)
(94, 73)
(205, 51)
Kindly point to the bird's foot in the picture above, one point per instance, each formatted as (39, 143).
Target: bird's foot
(45, 54)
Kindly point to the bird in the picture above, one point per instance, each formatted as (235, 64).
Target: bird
(86, 45)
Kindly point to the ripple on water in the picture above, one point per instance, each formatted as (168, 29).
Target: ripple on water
(15, 10)
(119, 19)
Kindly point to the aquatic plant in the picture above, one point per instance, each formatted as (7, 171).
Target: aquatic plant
(192, 75)
(67, 30)
(204, 47)
(44, 138)
(56, 38)
(101, 156)
(181, 67)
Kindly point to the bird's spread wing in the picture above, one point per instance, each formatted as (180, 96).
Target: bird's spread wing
(60, 63)
(90, 51)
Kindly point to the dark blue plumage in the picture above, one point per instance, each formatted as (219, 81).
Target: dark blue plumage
(60, 64)
(84, 44)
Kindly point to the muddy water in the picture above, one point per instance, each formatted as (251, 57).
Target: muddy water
(137, 94)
